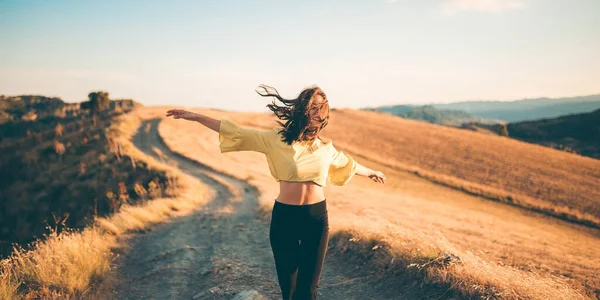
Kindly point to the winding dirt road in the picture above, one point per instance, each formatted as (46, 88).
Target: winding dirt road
(222, 250)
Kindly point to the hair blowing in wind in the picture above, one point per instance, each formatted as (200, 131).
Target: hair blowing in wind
(298, 126)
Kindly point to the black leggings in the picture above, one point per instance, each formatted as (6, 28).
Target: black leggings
(299, 235)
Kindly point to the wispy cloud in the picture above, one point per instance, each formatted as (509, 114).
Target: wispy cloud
(451, 7)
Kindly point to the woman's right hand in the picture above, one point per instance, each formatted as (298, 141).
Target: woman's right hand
(181, 114)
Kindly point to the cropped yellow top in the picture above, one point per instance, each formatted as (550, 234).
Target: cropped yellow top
(319, 162)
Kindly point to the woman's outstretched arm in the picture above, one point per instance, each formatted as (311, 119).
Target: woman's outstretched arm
(207, 121)
(232, 137)
(377, 176)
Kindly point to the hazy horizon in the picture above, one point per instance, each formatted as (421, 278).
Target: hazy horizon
(213, 54)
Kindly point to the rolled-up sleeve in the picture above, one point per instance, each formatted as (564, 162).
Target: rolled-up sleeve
(233, 137)
(342, 168)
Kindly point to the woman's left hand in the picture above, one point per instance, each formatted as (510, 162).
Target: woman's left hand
(377, 176)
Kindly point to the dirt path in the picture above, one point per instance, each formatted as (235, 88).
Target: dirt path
(222, 251)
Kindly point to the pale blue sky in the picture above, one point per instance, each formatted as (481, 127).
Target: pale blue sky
(362, 53)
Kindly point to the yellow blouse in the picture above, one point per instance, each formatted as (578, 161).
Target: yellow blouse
(319, 163)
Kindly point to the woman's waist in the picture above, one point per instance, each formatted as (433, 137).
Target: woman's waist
(291, 211)
(299, 201)
(300, 197)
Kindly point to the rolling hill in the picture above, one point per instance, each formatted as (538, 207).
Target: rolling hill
(579, 133)
(535, 176)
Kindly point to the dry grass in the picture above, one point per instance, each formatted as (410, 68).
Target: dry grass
(9, 283)
(505, 251)
(59, 261)
(73, 264)
(403, 256)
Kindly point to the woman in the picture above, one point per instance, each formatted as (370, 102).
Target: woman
(302, 163)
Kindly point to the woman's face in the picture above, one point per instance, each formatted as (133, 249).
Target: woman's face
(314, 109)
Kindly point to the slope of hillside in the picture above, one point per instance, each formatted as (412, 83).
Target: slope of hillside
(528, 109)
(75, 264)
(539, 178)
(63, 177)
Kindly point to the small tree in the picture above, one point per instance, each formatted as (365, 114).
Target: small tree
(503, 130)
(98, 101)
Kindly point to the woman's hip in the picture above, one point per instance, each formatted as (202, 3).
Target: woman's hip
(300, 214)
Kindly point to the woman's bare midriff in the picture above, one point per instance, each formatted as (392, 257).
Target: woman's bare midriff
(300, 192)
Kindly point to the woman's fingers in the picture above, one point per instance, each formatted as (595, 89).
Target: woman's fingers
(383, 178)
(176, 113)
(378, 179)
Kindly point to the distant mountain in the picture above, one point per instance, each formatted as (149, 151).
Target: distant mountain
(430, 114)
(528, 109)
(579, 133)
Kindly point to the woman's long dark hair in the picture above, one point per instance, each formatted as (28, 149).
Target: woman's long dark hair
(298, 126)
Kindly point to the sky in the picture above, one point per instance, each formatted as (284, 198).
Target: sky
(362, 53)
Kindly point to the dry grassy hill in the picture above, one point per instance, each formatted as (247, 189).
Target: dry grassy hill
(98, 173)
(63, 177)
(542, 179)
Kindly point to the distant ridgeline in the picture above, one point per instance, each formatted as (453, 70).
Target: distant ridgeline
(59, 169)
(566, 124)
(528, 109)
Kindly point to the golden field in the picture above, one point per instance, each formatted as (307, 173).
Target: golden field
(437, 199)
